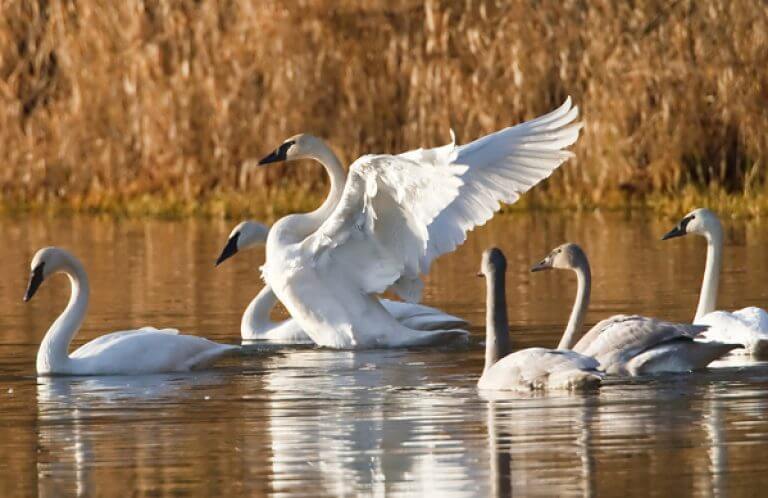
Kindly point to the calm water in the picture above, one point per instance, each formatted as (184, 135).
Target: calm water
(318, 422)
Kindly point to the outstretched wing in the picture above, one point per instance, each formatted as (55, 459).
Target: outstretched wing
(398, 213)
(500, 167)
(378, 231)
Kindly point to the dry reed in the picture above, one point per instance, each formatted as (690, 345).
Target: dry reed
(161, 106)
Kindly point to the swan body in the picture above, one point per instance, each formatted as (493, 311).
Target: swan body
(256, 323)
(530, 368)
(629, 344)
(748, 326)
(130, 352)
(382, 225)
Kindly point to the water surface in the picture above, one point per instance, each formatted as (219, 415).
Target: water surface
(304, 421)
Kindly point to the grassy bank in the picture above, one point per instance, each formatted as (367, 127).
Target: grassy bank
(159, 107)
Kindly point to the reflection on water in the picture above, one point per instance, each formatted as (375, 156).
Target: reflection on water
(302, 421)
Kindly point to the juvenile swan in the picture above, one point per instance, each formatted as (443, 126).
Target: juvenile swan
(531, 368)
(385, 221)
(629, 344)
(748, 326)
(143, 351)
(257, 325)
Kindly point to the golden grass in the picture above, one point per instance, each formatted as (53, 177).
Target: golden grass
(160, 107)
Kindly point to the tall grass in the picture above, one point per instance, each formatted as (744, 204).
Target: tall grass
(164, 105)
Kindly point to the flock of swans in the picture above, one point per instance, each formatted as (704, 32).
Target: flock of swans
(379, 229)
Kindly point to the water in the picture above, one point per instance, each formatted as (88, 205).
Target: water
(303, 421)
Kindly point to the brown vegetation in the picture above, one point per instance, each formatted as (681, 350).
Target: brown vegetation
(162, 106)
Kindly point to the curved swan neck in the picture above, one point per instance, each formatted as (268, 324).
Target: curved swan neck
(256, 317)
(309, 222)
(53, 354)
(496, 323)
(711, 281)
(580, 305)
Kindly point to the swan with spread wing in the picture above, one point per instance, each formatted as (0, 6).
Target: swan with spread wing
(385, 221)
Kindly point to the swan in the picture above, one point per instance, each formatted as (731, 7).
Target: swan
(748, 326)
(130, 352)
(257, 325)
(530, 368)
(629, 344)
(384, 222)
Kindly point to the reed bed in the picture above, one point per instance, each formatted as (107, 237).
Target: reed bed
(163, 107)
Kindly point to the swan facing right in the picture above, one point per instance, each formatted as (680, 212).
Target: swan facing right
(531, 368)
(629, 344)
(129, 352)
(748, 326)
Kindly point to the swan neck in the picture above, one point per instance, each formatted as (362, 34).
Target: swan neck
(53, 354)
(325, 156)
(496, 325)
(580, 305)
(256, 317)
(711, 281)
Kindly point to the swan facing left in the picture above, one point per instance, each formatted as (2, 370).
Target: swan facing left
(256, 324)
(130, 352)
(389, 217)
(528, 369)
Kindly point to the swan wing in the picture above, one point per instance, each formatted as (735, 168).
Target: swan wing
(104, 341)
(500, 168)
(398, 213)
(147, 350)
(616, 340)
(539, 368)
(378, 231)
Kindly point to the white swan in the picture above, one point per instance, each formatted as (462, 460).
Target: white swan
(130, 352)
(629, 344)
(748, 326)
(257, 325)
(531, 368)
(382, 228)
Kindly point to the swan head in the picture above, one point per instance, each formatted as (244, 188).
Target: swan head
(302, 146)
(46, 262)
(244, 235)
(493, 262)
(700, 221)
(565, 257)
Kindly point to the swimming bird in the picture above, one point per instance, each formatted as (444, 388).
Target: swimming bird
(530, 368)
(629, 344)
(385, 221)
(256, 323)
(747, 326)
(130, 352)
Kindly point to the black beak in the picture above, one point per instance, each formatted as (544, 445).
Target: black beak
(35, 279)
(540, 266)
(679, 230)
(277, 155)
(229, 250)
(675, 232)
(480, 274)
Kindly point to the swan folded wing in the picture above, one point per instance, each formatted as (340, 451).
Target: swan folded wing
(500, 167)
(105, 341)
(532, 368)
(377, 235)
(619, 338)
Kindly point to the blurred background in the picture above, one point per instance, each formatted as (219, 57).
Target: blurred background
(164, 107)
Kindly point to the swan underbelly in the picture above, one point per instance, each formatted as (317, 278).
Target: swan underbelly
(539, 368)
(748, 327)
